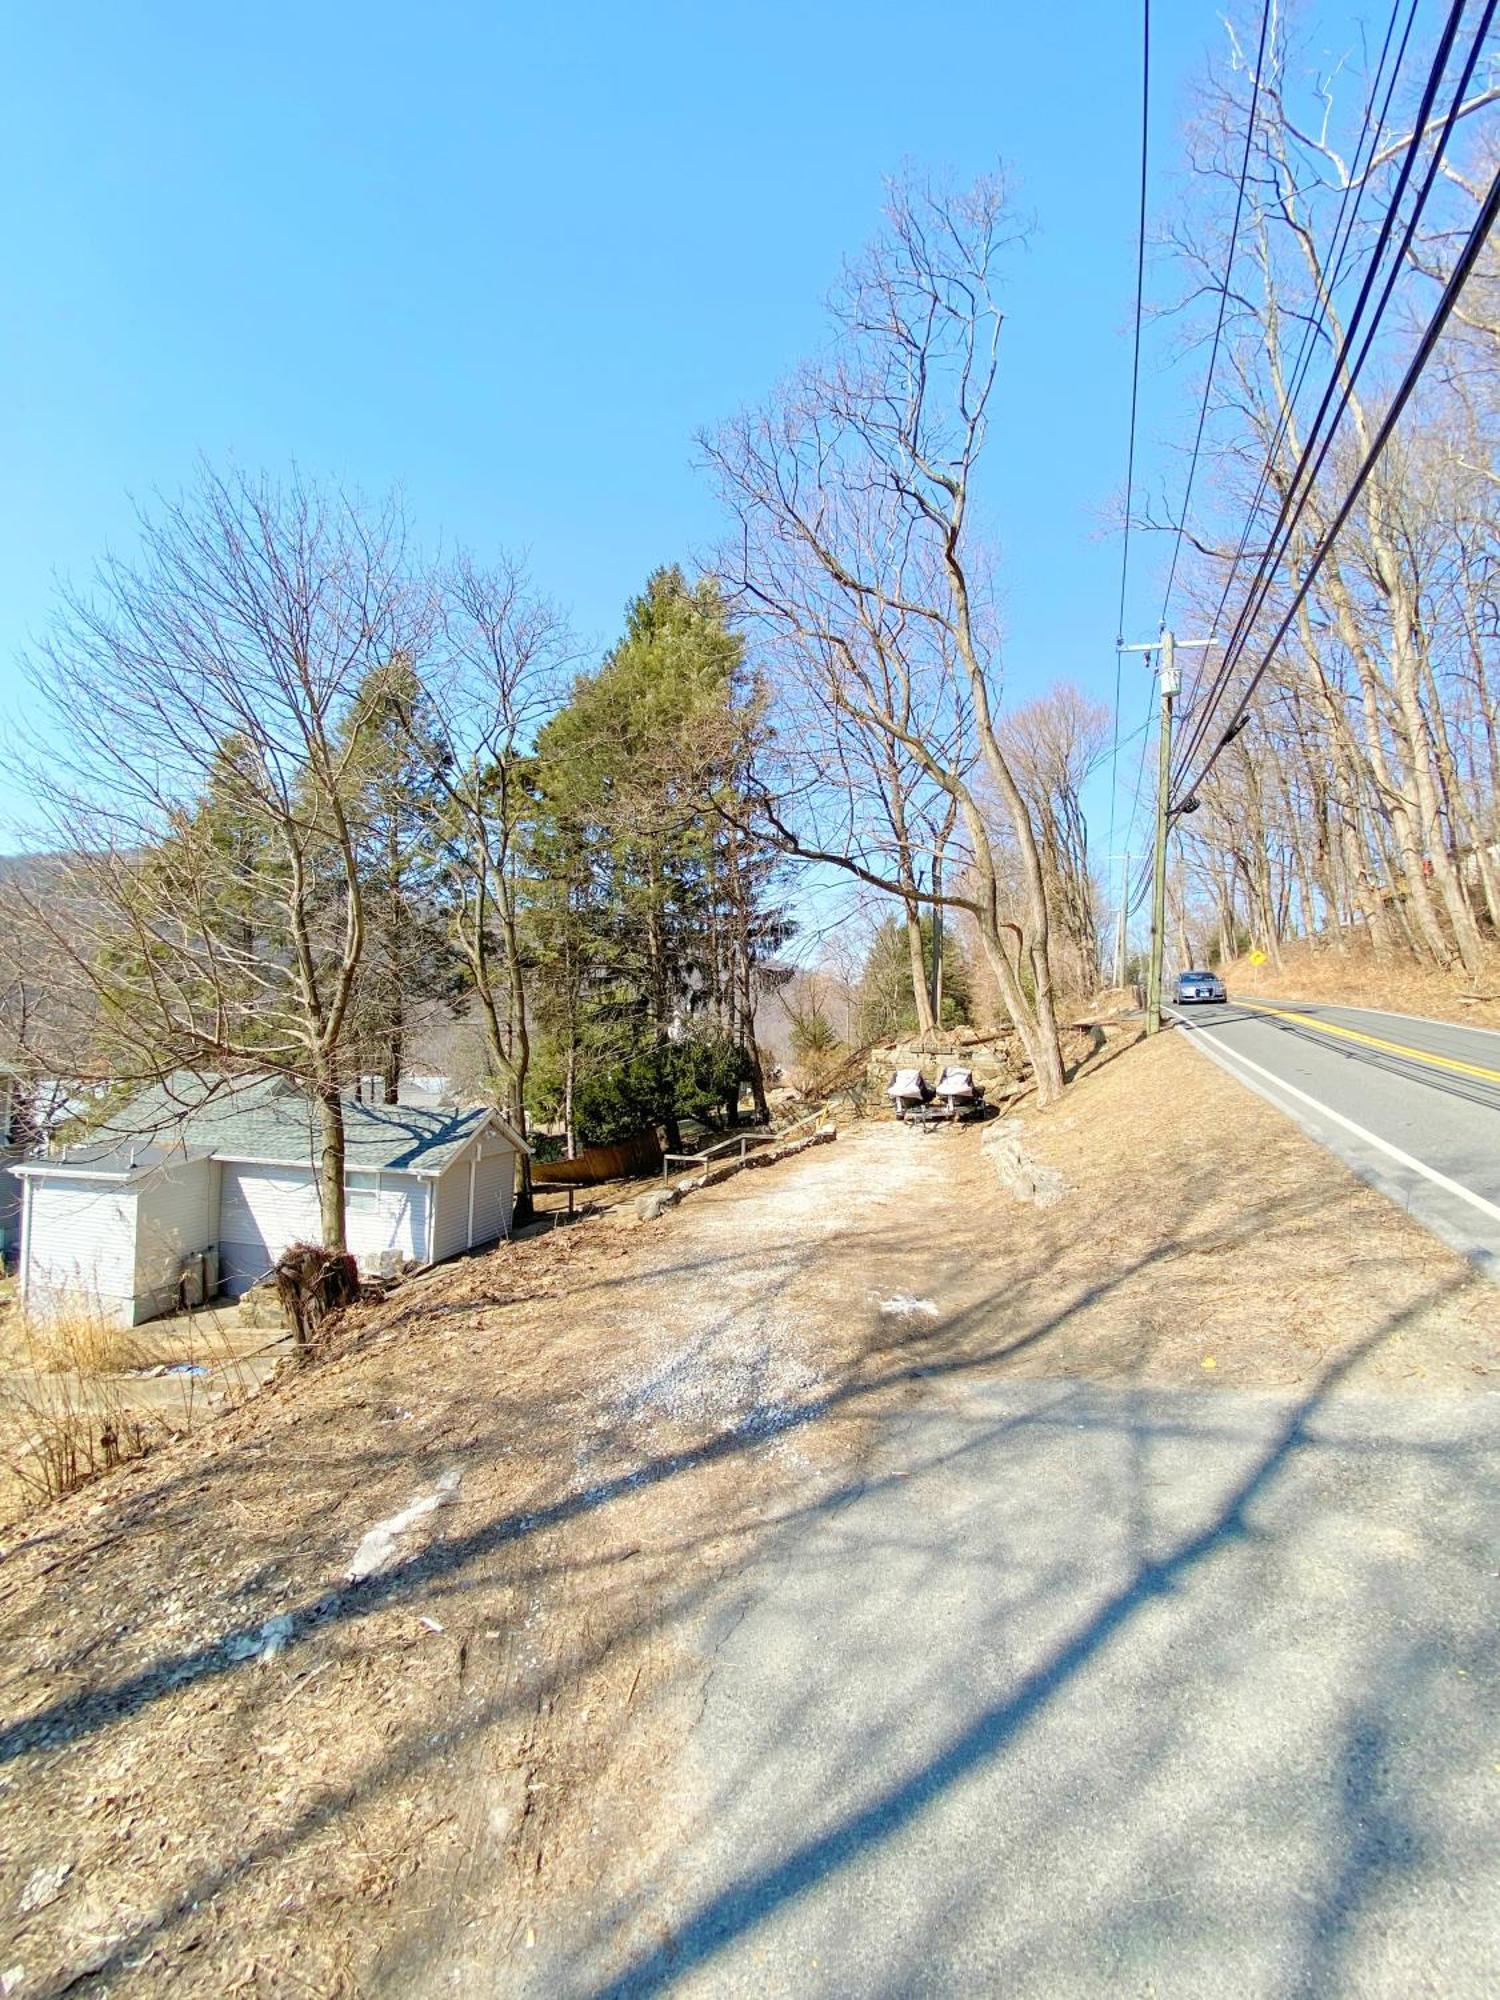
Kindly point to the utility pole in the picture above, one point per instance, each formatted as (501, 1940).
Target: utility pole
(1167, 646)
(1168, 684)
(1120, 927)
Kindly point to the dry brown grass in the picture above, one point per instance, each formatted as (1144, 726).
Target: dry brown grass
(63, 1418)
(77, 1335)
(481, 1744)
(1206, 1238)
(1355, 978)
(75, 1401)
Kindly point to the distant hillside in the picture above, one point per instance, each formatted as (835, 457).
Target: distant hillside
(42, 994)
(32, 871)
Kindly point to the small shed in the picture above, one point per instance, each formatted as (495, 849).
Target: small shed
(221, 1182)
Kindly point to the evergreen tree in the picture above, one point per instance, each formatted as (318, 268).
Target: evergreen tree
(886, 1005)
(392, 762)
(666, 909)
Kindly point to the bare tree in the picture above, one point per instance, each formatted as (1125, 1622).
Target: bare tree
(1363, 797)
(856, 553)
(498, 656)
(208, 906)
(1054, 744)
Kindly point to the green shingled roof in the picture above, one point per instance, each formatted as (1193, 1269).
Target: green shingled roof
(269, 1119)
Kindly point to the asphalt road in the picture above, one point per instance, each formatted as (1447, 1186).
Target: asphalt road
(1102, 1692)
(1095, 1693)
(1412, 1106)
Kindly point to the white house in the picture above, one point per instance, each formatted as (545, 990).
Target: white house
(190, 1191)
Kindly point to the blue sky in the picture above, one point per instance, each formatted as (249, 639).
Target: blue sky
(512, 260)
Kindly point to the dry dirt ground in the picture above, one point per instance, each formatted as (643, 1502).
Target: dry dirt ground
(229, 1766)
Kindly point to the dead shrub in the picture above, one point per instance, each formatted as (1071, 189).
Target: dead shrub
(54, 1443)
(311, 1283)
(68, 1410)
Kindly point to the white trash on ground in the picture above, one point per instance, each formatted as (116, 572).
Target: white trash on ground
(381, 1545)
(905, 1306)
(264, 1645)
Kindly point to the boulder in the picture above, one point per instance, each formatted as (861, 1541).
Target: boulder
(261, 1306)
(995, 1060)
(1004, 1146)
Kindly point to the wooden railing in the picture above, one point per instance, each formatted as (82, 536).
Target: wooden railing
(742, 1143)
(737, 1141)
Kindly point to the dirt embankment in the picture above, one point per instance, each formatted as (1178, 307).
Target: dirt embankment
(1355, 978)
(375, 1679)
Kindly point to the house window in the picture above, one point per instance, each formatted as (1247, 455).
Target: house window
(361, 1193)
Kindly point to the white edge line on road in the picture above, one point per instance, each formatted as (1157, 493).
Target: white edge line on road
(1395, 1153)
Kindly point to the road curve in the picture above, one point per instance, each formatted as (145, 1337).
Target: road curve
(1413, 1106)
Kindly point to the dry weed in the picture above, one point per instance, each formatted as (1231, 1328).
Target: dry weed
(73, 1403)
(75, 1335)
(58, 1431)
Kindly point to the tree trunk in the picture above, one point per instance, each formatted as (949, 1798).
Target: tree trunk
(570, 1074)
(331, 1166)
(757, 1083)
(921, 996)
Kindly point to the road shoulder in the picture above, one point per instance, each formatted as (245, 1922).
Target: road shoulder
(455, 1774)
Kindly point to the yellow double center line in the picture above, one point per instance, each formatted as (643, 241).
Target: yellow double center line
(1376, 1042)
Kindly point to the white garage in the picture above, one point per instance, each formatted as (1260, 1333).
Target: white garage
(228, 1175)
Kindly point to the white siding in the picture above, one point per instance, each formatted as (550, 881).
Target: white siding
(264, 1209)
(394, 1219)
(176, 1211)
(450, 1228)
(475, 1197)
(494, 1190)
(80, 1242)
(261, 1211)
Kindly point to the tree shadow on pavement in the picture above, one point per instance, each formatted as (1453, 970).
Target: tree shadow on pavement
(1378, 1841)
(967, 1344)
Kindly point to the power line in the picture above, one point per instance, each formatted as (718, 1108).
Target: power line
(1135, 394)
(1345, 371)
(1213, 355)
(1128, 898)
(1314, 326)
(1140, 297)
(1458, 277)
(1316, 444)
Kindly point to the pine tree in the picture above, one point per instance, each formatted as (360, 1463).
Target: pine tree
(669, 909)
(393, 759)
